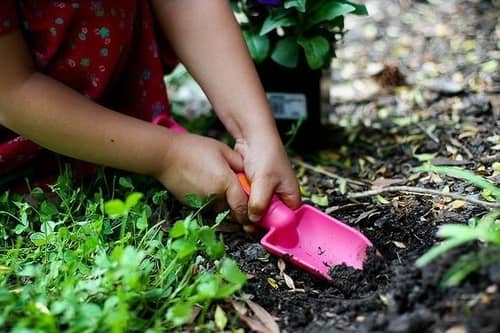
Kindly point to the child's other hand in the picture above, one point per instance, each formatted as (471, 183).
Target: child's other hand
(267, 167)
(204, 166)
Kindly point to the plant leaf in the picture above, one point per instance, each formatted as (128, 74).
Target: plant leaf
(272, 22)
(360, 9)
(194, 200)
(258, 46)
(316, 50)
(179, 313)
(232, 273)
(286, 52)
(132, 199)
(115, 208)
(177, 230)
(327, 11)
(440, 249)
(299, 4)
(185, 248)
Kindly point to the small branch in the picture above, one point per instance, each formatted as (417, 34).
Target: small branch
(428, 133)
(460, 145)
(324, 172)
(490, 159)
(424, 191)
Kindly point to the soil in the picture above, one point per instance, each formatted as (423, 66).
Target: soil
(415, 81)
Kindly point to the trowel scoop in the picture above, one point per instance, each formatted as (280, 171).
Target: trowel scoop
(306, 237)
(309, 238)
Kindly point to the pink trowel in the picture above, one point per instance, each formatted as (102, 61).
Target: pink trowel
(306, 236)
(309, 238)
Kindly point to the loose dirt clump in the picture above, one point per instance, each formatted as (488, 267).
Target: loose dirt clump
(358, 283)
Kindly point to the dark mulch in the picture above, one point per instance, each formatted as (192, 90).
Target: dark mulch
(429, 85)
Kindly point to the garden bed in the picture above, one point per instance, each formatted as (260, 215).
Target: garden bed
(431, 84)
(415, 83)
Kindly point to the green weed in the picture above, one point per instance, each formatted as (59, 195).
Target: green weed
(485, 229)
(71, 260)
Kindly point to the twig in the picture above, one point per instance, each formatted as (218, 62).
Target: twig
(428, 133)
(490, 158)
(324, 172)
(460, 145)
(424, 191)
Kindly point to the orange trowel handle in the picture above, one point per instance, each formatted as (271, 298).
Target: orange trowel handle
(278, 215)
(244, 182)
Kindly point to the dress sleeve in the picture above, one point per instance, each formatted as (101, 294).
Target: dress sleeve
(8, 16)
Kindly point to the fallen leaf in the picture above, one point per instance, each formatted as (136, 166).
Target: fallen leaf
(281, 265)
(342, 186)
(272, 282)
(264, 316)
(320, 200)
(220, 318)
(457, 204)
(289, 281)
(239, 307)
(382, 200)
(425, 156)
(382, 182)
(255, 325)
(457, 329)
(399, 244)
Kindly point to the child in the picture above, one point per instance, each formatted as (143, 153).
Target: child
(84, 78)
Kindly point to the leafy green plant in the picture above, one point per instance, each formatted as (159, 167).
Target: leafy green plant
(288, 30)
(485, 229)
(72, 261)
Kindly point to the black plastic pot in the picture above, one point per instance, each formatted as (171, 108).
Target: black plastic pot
(294, 93)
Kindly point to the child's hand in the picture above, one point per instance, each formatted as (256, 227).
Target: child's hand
(267, 167)
(204, 166)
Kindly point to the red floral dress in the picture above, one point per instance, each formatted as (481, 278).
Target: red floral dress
(108, 50)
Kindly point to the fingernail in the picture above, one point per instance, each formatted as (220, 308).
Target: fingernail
(254, 218)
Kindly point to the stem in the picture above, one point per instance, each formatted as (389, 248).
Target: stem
(324, 172)
(424, 191)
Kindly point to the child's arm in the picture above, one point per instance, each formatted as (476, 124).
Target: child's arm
(60, 119)
(207, 39)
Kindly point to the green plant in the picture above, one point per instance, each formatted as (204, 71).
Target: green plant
(287, 30)
(485, 229)
(75, 262)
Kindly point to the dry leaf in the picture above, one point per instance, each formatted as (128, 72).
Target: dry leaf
(281, 265)
(255, 325)
(399, 244)
(457, 329)
(457, 204)
(264, 316)
(239, 307)
(194, 314)
(289, 281)
(384, 182)
(272, 282)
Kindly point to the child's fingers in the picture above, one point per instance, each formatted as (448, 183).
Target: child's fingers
(262, 191)
(237, 200)
(289, 194)
(234, 159)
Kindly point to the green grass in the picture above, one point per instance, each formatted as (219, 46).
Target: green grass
(76, 259)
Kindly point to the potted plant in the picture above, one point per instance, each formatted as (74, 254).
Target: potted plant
(292, 42)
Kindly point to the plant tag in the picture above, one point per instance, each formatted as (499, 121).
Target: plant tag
(288, 106)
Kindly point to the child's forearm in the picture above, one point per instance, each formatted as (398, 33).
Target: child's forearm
(207, 39)
(60, 119)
